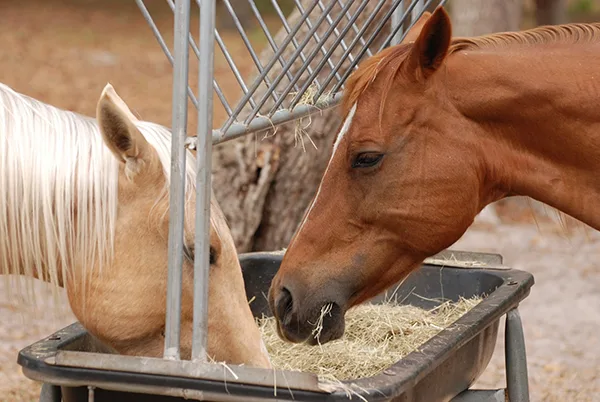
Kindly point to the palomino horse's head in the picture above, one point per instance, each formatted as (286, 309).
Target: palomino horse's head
(399, 187)
(126, 302)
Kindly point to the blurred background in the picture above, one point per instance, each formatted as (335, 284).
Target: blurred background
(63, 52)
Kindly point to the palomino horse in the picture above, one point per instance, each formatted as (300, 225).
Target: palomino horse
(83, 205)
(436, 129)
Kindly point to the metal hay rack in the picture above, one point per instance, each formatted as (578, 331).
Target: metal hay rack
(300, 71)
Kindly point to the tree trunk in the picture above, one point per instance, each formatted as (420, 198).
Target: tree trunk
(480, 17)
(264, 185)
(550, 12)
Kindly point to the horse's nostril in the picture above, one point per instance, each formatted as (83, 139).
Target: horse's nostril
(284, 303)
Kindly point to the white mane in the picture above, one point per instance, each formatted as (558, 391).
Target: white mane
(54, 166)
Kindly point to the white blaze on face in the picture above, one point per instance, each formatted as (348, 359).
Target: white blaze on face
(342, 133)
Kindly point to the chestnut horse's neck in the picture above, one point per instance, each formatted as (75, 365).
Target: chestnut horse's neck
(535, 112)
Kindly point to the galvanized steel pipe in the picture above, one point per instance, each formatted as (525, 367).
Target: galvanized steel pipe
(203, 179)
(177, 190)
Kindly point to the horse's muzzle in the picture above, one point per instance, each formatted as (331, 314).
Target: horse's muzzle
(312, 322)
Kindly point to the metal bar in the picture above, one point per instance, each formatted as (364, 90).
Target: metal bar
(203, 182)
(216, 85)
(167, 53)
(233, 66)
(321, 63)
(177, 189)
(315, 35)
(232, 130)
(480, 395)
(397, 23)
(376, 32)
(387, 42)
(298, 74)
(154, 366)
(355, 29)
(222, 98)
(50, 393)
(335, 30)
(91, 393)
(263, 123)
(268, 67)
(162, 43)
(288, 30)
(396, 30)
(416, 12)
(517, 382)
(255, 59)
(352, 44)
(267, 33)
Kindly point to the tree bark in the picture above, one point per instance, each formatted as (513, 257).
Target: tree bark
(480, 17)
(264, 185)
(550, 12)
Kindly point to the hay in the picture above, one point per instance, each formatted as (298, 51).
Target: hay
(376, 337)
(299, 127)
(307, 98)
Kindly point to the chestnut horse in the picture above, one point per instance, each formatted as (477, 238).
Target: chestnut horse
(83, 205)
(435, 129)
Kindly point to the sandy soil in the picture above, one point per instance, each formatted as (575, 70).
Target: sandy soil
(63, 53)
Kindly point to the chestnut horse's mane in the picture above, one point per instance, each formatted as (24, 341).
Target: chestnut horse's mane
(54, 166)
(391, 58)
(548, 34)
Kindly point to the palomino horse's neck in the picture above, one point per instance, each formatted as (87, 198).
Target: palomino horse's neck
(535, 113)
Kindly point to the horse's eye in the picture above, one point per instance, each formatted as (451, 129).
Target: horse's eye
(188, 252)
(212, 256)
(367, 159)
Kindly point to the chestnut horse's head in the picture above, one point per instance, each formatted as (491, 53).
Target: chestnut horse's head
(125, 305)
(402, 184)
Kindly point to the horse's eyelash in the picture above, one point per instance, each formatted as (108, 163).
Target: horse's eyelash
(190, 254)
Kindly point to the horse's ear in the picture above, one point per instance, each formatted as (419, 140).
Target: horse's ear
(431, 46)
(415, 30)
(117, 125)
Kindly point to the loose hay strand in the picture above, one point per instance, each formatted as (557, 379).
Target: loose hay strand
(316, 332)
(376, 337)
(300, 131)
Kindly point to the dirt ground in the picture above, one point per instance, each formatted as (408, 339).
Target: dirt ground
(64, 51)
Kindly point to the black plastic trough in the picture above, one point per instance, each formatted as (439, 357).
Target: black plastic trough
(75, 366)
